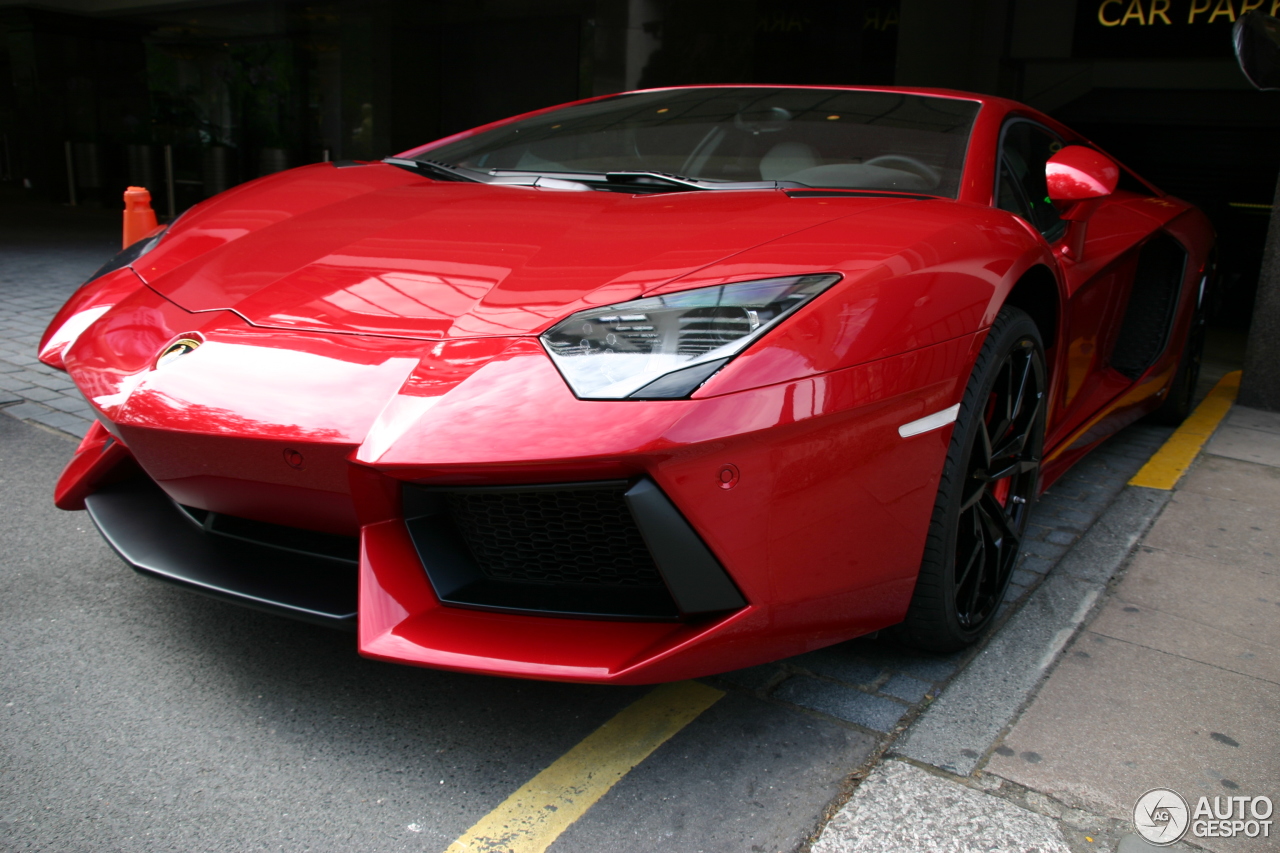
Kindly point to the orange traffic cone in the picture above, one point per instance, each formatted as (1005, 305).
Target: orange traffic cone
(139, 218)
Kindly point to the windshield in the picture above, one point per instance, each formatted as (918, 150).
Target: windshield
(812, 137)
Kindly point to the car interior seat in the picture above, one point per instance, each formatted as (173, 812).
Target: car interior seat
(787, 158)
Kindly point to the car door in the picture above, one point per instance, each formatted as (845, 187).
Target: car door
(1110, 331)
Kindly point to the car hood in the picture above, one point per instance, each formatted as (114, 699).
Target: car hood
(379, 250)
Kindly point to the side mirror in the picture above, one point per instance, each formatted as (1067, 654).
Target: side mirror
(1077, 173)
(1078, 178)
(1257, 42)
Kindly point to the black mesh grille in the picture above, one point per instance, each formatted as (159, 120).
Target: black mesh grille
(1152, 304)
(582, 537)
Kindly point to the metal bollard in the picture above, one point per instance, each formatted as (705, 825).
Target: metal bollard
(71, 176)
(168, 180)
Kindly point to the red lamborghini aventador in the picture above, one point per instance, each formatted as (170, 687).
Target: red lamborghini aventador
(639, 388)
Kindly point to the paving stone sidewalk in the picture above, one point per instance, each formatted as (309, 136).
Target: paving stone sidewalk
(45, 254)
(1172, 683)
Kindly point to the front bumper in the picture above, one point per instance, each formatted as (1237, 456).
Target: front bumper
(818, 532)
(312, 576)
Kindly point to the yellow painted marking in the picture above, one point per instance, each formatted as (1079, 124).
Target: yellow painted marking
(1247, 206)
(1171, 461)
(533, 817)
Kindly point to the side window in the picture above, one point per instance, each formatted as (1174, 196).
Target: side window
(1025, 148)
(1009, 198)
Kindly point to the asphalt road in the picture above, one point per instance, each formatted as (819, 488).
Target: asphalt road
(135, 716)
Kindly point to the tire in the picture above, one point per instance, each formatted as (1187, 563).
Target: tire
(1182, 391)
(988, 487)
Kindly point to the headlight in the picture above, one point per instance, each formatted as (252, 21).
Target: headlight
(664, 347)
(128, 256)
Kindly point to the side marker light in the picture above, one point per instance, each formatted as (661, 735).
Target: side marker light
(930, 422)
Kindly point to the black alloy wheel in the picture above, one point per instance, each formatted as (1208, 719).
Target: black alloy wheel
(989, 484)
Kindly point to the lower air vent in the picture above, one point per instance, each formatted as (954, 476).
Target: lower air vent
(328, 545)
(585, 537)
(613, 550)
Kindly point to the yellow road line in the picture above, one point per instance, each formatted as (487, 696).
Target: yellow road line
(534, 816)
(1171, 461)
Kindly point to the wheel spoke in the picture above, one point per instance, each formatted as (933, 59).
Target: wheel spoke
(1021, 394)
(975, 566)
(1015, 393)
(1008, 459)
(975, 589)
(1010, 448)
(979, 487)
(1003, 389)
(998, 474)
(1018, 442)
(1015, 465)
(975, 560)
(981, 571)
(985, 436)
(1015, 445)
(1001, 466)
(1004, 541)
(1002, 530)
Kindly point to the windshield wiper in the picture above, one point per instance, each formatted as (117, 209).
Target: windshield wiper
(632, 179)
(436, 169)
(638, 179)
(444, 171)
(642, 177)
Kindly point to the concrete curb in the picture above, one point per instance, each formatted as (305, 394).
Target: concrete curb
(957, 731)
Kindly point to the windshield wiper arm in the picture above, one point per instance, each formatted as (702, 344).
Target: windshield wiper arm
(640, 176)
(632, 178)
(436, 169)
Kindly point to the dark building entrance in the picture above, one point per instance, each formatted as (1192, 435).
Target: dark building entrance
(108, 92)
(1153, 82)
(189, 98)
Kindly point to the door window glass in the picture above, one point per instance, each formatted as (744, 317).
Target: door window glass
(1024, 150)
(1010, 198)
